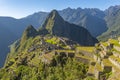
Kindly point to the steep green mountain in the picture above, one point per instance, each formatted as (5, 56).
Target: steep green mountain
(113, 23)
(91, 19)
(49, 57)
(10, 30)
(44, 58)
(81, 17)
(38, 56)
(55, 25)
(8, 35)
(53, 53)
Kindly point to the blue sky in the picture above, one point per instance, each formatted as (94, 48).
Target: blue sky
(22, 8)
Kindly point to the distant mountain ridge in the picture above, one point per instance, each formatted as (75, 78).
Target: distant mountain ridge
(112, 19)
(94, 20)
(91, 19)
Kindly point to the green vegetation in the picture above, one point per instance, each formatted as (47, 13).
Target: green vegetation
(53, 40)
(84, 57)
(90, 78)
(114, 50)
(98, 67)
(56, 25)
(41, 63)
(91, 69)
(106, 62)
(68, 51)
(70, 71)
(115, 58)
(30, 32)
(104, 44)
(88, 49)
(51, 56)
(113, 41)
(106, 74)
(105, 52)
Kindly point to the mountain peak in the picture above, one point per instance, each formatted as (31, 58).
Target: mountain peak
(30, 31)
(29, 28)
(55, 25)
(53, 20)
(54, 12)
(55, 15)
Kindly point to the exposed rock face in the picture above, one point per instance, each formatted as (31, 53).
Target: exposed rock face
(55, 25)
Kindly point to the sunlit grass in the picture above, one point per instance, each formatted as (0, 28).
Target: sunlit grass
(88, 49)
(113, 41)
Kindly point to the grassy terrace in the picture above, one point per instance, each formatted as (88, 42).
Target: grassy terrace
(106, 62)
(68, 51)
(117, 70)
(88, 49)
(91, 69)
(85, 57)
(104, 44)
(113, 41)
(53, 40)
(115, 58)
(98, 67)
(48, 56)
(35, 61)
(116, 51)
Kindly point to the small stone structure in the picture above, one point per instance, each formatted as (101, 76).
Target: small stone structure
(103, 58)
(65, 53)
(83, 60)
